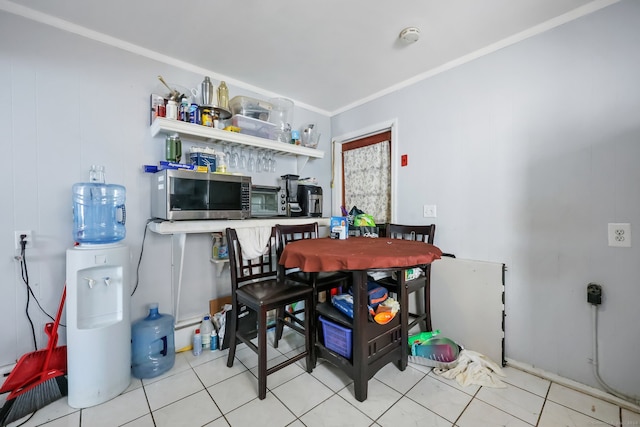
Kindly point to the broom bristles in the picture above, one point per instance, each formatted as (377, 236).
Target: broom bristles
(34, 399)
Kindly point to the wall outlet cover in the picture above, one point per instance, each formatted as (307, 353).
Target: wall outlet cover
(619, 234)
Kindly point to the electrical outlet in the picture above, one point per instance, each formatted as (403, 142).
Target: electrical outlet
(619, 234)
(429, 211)
(28, 238)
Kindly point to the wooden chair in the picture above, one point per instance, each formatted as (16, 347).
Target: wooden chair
(424, 233)
(254, 284)
(319, 282)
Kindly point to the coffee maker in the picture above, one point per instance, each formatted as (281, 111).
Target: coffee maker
(290, 184)
(310, 199)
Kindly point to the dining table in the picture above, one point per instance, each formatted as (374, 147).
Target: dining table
(373, 345)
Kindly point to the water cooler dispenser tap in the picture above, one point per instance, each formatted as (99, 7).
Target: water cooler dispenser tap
(107, 280)
(90, 281)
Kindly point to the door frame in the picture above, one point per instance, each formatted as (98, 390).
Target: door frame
(336, 164)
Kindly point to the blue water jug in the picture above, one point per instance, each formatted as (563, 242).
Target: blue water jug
(153, 349)
(98, 212)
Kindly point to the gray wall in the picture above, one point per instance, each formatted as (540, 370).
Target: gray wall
(528, 153)
(67, 102)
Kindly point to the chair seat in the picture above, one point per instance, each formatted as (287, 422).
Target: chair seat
(272, 292)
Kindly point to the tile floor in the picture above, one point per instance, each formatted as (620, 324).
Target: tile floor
(202, 391)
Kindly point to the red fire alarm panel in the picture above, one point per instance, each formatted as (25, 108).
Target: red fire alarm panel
(404, 160)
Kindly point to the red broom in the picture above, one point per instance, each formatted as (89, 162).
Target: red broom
(38, 378)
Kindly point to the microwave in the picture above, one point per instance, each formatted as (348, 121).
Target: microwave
(268, 201)
(184, 195)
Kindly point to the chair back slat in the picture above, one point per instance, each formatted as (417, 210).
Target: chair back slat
(286, 234)
(249, 270)
(422, 233)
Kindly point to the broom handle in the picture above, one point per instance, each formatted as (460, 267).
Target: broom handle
(52, 330)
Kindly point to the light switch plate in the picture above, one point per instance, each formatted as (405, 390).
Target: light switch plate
(429, 211)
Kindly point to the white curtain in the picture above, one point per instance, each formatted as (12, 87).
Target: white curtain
(367, 180)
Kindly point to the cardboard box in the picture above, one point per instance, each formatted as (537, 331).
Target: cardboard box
(216, 305)
(339, 227)
(204, 159)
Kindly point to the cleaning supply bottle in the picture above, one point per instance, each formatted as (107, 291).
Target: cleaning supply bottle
(197, 343)
(205, 331)
(223, 251)
(152, 344)
(214, 340)
(215, 249)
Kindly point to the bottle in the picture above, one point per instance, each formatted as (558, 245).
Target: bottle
(99, 212)
(205, 331)
(194, 113)
(215, 249)
(152, 344)
(197, 343)
(295, 137)
(184, 109)
(223, 252)
(223, 96)
(172, 109)
(214, 340)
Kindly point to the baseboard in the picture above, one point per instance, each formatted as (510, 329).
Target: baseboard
(583, 388)
(183, 333)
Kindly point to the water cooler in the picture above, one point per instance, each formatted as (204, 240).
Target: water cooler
(98, 300)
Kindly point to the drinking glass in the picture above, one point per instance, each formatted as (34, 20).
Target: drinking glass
(233, 161)
(243, 160)
(272, 163)
(227, 152)
(251, 162)
(260, 162)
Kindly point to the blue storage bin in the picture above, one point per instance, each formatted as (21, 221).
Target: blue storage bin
(336, 338)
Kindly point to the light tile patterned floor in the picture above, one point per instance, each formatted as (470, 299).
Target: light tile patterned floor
(202, 391)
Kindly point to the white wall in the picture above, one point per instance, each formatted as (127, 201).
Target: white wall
(67, 102)
(528, 153)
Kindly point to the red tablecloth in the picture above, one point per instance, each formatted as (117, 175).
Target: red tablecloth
(356, 253)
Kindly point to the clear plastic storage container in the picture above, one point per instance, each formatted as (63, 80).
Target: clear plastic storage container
(152, 344)
(250, 107)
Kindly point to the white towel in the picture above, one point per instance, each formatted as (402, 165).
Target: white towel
(253, 241)
(474, 368)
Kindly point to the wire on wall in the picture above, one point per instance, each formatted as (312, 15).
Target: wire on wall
(24, 271)
(144, 237)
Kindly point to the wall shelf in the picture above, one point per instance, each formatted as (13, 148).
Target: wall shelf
(191, 131)
(219, 264)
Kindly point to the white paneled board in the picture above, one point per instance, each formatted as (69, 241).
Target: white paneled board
(467, 304)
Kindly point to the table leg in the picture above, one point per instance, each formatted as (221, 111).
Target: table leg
(360, 348)
(404, 319)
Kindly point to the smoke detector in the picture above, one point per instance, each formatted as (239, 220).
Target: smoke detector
(410, 34)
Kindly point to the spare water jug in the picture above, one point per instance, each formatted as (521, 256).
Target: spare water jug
(98, 210)
(152, 344)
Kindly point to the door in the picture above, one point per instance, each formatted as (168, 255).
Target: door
(366, 175)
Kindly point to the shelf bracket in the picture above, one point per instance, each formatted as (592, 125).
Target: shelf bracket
(218, 265)
(301, 162)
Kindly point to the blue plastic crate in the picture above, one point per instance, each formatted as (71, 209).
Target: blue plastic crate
(336, 338)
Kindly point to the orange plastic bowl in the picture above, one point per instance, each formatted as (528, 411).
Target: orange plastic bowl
(383, 317)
